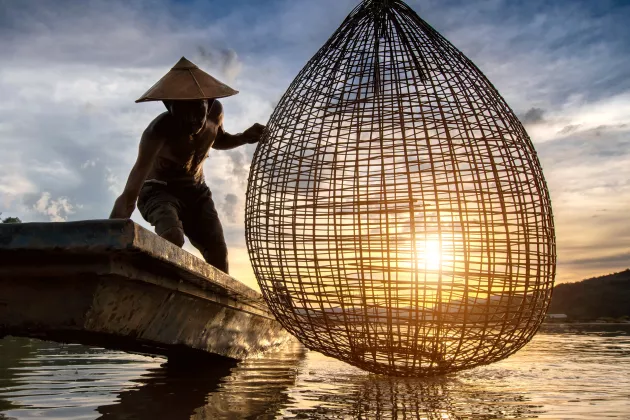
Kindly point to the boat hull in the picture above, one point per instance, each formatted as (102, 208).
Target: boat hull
(112, 283)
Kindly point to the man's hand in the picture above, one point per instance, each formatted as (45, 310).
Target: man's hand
(254, 133)
(227, 141)
(123, 208)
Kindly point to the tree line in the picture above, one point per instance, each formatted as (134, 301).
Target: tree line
(599, 297)
(10, 219)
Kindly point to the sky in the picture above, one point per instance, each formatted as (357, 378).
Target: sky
(71, 70)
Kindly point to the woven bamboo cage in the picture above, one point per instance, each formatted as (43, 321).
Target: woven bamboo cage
(397, 217)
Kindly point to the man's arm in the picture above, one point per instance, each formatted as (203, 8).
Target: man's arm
(150, 145)
(226, 141)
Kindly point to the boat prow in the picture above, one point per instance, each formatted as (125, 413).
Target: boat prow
(114, 284)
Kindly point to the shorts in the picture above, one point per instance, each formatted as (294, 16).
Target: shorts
(188, 206)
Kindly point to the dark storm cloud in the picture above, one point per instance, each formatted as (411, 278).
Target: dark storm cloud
(621, 260)
(533, 116)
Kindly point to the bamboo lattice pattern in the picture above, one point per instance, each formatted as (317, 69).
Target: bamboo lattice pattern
(397, 217)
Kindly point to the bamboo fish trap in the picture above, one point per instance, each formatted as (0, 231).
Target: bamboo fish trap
(397, 216)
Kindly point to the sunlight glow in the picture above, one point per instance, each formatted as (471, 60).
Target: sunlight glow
(429, 254)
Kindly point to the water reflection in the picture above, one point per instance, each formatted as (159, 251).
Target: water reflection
(378, 397)
(566, 372)
(255, 388)
(169, 392)
(41, 379)
(403, 398)
(12, 352)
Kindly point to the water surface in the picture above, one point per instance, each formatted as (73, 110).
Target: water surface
(566, 372)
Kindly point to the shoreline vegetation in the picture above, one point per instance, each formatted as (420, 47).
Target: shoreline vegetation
(602, 300)
(596, 322)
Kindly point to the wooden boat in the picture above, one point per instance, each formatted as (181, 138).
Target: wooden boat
(114, 284)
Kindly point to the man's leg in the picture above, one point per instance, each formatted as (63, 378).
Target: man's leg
(203, 228)
(162, 210)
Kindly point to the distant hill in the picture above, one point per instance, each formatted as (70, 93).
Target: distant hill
(599, 297)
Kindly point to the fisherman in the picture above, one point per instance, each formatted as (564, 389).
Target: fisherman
(167, 178)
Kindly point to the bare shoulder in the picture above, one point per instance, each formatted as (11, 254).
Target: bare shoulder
(215, 110)
(159, 128)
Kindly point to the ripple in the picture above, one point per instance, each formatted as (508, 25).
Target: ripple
(565, 372)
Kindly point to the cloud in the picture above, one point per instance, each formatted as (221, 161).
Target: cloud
(69, 129)
(114, 183)
(225, 61)
(610, 114)
(239, 166)
(90, 163)
(14, 183)
(605, 262)
(230, 207)
(533, 116)
(57, 210)
(570, 129)
(589, 182)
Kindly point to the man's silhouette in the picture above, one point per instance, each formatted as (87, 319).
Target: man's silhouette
(167, 178)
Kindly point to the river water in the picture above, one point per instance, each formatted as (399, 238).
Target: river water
(566, 372)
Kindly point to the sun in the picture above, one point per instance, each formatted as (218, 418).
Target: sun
(429, 254)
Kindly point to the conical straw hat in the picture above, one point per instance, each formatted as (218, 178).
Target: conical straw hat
(185, 81)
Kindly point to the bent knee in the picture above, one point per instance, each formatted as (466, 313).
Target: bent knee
(174, 235)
